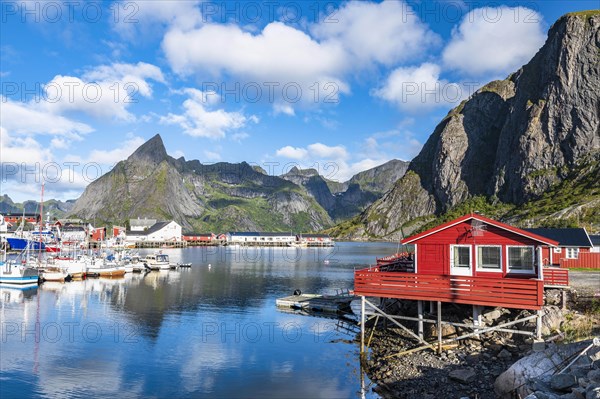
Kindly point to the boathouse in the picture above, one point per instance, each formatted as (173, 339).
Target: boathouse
(472, 260)
(15, 218)
(314, 239)
(158, 232)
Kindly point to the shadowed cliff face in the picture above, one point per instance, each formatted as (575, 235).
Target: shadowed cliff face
(513, 140)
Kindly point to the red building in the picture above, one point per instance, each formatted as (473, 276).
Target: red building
(199, 237)
(15, 218)
(571, 243)
(470, 260)
(476, 246)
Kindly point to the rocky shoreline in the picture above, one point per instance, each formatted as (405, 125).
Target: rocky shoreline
(471, 367)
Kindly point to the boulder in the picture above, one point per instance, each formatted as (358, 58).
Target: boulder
(464, 376)
(563, 382)
(592, 391)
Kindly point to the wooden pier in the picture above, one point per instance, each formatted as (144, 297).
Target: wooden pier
(316, 303)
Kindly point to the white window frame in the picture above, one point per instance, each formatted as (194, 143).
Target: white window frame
(570, 251)
(479, 268)
(508, 267)
(461, 270)
(557, 250)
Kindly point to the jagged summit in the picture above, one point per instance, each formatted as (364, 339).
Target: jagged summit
(152, 150)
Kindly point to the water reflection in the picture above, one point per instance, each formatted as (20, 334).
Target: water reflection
(198, 332)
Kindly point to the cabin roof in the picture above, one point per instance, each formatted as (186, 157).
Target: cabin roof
(566, 237)
(315, 235)
(152, 229)
(595, 239)
(485, 220)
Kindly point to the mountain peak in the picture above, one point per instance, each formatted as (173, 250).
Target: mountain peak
(152, 150)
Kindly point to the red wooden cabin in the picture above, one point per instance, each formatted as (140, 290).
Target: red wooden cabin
(471, 260)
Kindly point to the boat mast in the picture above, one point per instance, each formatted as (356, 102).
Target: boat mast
(41, 225)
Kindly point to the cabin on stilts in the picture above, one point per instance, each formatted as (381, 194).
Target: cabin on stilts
(472, 260)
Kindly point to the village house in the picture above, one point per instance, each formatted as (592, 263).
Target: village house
(571, 243)
(314, 239)
(159, 231)
(596, 243)
(199, 237)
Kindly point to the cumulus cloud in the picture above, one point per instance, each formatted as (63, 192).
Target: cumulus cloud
(330, 152)
(199, 120)
(111, 157)
(32, 119)
(292, 152)
(104, 92)
(385, 32)
(421, 88)
(494, 40)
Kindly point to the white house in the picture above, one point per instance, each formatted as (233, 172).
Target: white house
(160, 231)
(257, 238)
(3, 225)
(595, 242)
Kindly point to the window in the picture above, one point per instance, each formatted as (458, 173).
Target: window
(461, 256)
(489, 258)
(572, 253)
(520, 259)
(557, 250)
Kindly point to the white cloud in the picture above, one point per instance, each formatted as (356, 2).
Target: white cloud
(286, 109)
(212, 155)
(199, 121)
(385, 32)
(239, 137)
(284, 62)
(22, 149)
(420, 88)
(110, 157)
(494, 40)
(32, 119)
(144, 18)
(324, 151)
(104, 92)
(292, 152)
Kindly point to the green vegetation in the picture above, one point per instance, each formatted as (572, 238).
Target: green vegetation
(586, 15)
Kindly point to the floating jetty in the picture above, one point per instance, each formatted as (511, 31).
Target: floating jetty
(317, 303)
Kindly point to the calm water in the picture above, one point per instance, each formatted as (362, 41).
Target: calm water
(200, 332)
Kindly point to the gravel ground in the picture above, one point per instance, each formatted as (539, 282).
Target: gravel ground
(585, 282)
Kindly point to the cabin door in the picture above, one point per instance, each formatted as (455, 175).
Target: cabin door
(461, 260)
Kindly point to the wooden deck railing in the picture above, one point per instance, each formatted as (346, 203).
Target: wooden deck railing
(556, 277)
(586, 260)
(484, 291)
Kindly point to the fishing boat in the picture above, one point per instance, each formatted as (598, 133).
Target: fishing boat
(157, 261)
(104, 267)
(12, 272)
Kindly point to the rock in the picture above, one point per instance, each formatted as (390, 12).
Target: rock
(553, 318)
(464, 376)
(592, 391)
(535, 365)
(553, 297)
(492, 316)
(594, 375)
(562, 382)
(504, 354)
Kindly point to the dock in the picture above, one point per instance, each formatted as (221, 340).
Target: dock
(316, 303)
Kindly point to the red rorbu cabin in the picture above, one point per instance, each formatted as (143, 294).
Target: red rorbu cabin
(470, 260)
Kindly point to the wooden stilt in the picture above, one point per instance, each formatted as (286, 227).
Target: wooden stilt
(420, 315)
(439, 326)
(362, 325)
(538, 325)
(431, 309)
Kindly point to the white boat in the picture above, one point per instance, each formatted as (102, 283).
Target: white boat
(18, 273)
(103, 267)
(53, 274)
(158, 261)
(75, 268)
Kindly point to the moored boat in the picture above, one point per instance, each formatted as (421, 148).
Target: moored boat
(18, 273)
(158, 261)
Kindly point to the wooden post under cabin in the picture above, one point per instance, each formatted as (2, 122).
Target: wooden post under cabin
(439, 326)
(362, 324)
(420, 312)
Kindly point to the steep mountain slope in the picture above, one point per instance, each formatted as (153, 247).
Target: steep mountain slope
(57, 209)
(347, 199)
(512, 143)
(217, 197)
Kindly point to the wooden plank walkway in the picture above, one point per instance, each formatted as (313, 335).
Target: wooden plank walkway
(317, 303)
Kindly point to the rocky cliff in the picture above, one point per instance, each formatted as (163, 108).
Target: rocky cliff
(346, 199)
(512, 142)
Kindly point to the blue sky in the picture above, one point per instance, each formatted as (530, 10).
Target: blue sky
(338, 86)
